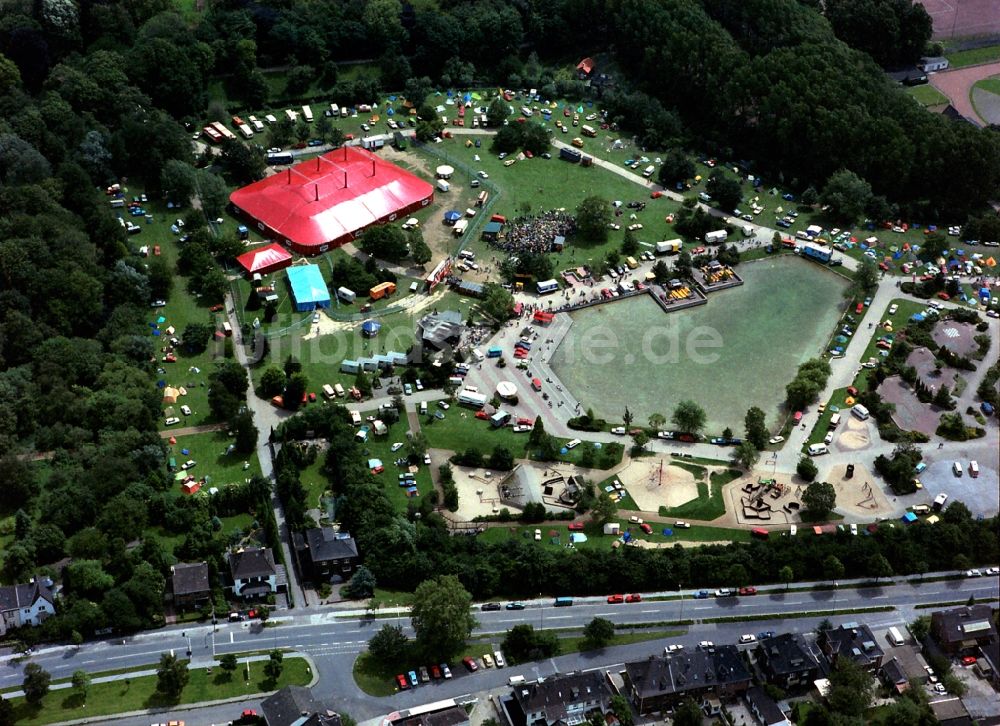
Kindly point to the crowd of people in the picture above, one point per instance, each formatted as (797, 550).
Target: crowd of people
(534, 233)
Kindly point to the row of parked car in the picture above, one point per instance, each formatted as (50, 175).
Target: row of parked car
(425, 674)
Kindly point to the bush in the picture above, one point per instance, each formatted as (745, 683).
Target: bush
(806, 468)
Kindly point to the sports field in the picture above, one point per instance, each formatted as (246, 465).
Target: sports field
(737, 351)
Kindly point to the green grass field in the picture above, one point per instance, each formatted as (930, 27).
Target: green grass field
(991, 84)
(709, 503)
(963, 58)
(452, 433)
(209, 450)
(105, 699)
(597, 540)
(381, 448)
(927, 95)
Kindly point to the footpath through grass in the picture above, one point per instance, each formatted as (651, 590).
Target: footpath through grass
(135, 694)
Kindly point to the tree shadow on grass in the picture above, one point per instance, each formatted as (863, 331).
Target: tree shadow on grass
(73, 700)
(160, 700)
(222, 677)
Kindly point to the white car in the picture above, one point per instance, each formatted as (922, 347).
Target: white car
(171, 421)
(681, 524)
(538, 535)
(427, 459)
(673, 648)
(618, 430)
(893, 308)
(483, 175)
(993, 570)
(828, 439)
(854, 529)
(748, 638)
(186, 410)
(973, 573)
(498, 659)
(705, 644)
(443, 405)
(776, 439)
(189, 464)
(396, 446)
(315, 318)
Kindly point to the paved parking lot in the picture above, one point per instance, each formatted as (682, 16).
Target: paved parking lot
(980, 495)
(980, 700)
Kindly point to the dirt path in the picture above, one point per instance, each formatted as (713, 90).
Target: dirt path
(957, 86)
(189, 430)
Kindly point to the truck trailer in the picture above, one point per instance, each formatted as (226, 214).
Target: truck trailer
(571, 155)
(818, 252)
(716, 237)
(669, 247)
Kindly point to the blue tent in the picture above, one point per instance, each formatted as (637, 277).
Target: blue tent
(390, 112)
(667, 532)
(909, 518)
(371, 328)
(308, 287)
(917, 317)
(451, 216)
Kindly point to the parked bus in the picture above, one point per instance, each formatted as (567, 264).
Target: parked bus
(307, 114)
(546, 287)
(482, 199)
(563, 602)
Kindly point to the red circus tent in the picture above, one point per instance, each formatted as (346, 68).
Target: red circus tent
(265, 260)
(328, 201)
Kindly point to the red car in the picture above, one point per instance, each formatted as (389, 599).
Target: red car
(646, 528)
(575, 526)
(748, 591)
(471, 664)
(565, 111)
(944, 296)
(859, 308)
(852, 391)
(312, 398)
(215, 308)
(882, 266)
(698, 250)
(797, 417)
(969, 660)
(635, 597)
(482, 415)
(655, 195)
(615, 599)
(402, 682)
(435, 672)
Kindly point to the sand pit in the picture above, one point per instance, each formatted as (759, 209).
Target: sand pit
(652, 485)
(855, 435)
(861, 497)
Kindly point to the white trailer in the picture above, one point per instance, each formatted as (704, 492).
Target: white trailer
(257, 124)
(669, 247)
(346, 294)
(307, 114)
(246, 131)
(460, 226)
(716, 236)
(373, 142)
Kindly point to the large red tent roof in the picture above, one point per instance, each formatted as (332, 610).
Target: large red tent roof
(265, 259)
(326, 201)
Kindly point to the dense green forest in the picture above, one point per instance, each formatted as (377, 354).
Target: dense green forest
(94, 92)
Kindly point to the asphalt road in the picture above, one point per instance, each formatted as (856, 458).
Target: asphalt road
(333, 638)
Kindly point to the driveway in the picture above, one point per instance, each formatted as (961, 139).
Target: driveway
(957, 86)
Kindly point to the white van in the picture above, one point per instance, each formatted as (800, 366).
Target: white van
(515, 680)
(974, 469)
(338, 390)
(895, 637)
(328, 391)
(573, 444)
(835, 421)
(423, 408)
(478, 354)
(443, 185)
(818, 449)
(957, 468)
(355, 418)
(860, 412)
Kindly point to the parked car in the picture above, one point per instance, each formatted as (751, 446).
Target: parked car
(515, 606)
(487, 606)
(575, 526)
(749, 590)
(724, 592)
(413, 678)
(747, 638)
(615, 599)
(471, 664)
(634, 597)
(445, 671)
(706, 644)
(402, 682)
(701, 595)
(436, 672)
(498, 659)
(487, 660)
(425, 676)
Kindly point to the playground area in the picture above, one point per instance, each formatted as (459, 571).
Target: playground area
(482, 492)
(653, 483)
(737, 351)
(860, 496)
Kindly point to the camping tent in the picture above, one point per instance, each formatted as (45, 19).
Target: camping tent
(170, 394)
(370, 328)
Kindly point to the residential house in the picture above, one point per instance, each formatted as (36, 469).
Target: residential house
(190, 586)
(963, 629)
(255, 573)
(26, 604)
(326, 554)
(853, 641)
(295, 706)
(902, 664)
(787, 661)
(450, 716)
(764, 708)
(661, 682)
(951, 712)
(563, 699)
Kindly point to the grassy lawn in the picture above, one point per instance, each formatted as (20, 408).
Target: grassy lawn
(962, 58)
(209, 450)
(170, 540)
(927, 95)
(105, 699)
(452, 433)
(705, 507)
(314, 481)
(380, 448)
(597, 540)
(991, 84)
(698, 472)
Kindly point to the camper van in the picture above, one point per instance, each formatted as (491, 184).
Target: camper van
(423, 408)
(443, 185)
(974, 469)
(894, 636)
(860, 412)
(573, 444)
(939, 501)
(956, 467)
(648, 171)
(835, 421)
(338, 390)
(355, 418)
(818, 449)
(328, 392)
